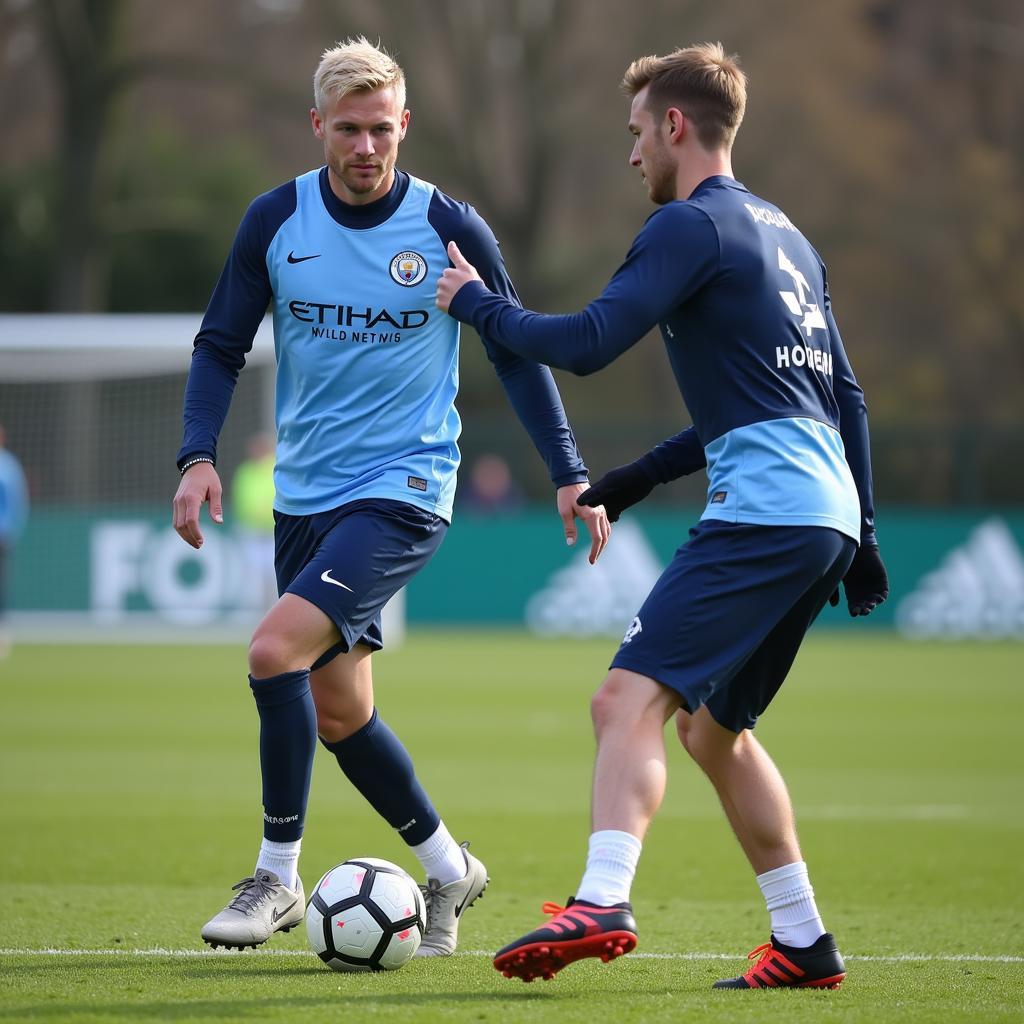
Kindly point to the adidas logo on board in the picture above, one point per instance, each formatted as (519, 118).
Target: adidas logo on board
(977, 591)
(597, 600)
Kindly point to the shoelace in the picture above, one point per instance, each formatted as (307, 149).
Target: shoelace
(554, 909)
(761, 954)
(253, 892)
(430, 894)
(432, 890)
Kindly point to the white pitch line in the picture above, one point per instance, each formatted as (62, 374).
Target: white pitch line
(156, 951)
(949, 958)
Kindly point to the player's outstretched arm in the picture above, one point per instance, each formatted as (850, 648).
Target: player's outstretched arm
(624, 486)
(199, 484)
(618, 489)
(593, 516)
(674, 254)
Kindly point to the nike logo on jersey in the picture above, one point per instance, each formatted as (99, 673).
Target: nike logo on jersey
(326, 577)
(292, 258)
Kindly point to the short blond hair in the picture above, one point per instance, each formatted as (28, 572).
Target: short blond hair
(356, 65)
(706, 84)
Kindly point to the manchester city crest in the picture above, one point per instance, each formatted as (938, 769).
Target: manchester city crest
(408, 268)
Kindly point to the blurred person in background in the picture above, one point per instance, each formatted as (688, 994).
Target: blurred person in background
(348, 257)
(252, 505)
(743, 306)
(14, 506)
(492, 489)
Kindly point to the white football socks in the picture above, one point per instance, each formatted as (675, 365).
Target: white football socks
(282, 859)
(442, 858)
(612, 858)
(790, 899)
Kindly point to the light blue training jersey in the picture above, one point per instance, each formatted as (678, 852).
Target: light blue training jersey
(367, 365)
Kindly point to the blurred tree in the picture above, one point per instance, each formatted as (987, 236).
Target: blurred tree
(493, 97)
(890, 130)
(955, 72)
(128, 198)
(83, 39)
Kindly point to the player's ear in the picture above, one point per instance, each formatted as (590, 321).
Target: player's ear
(317, 122)
(677, 124)
(403, 125)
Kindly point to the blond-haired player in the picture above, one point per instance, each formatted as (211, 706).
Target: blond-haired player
(348, 257)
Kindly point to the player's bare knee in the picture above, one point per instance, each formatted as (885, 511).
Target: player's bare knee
(703, 753)
(339, 721)
(605, 705)
(696, 742)
(334, 728)
(616, 702)
(709, 744)
(684, 727)
(268, 656)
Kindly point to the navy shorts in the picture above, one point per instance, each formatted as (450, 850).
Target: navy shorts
(724, 621)
(351, 561)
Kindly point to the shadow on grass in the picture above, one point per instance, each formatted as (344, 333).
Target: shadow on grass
(225, 970)
(233, 1008)
(115, 988)
(71, 997)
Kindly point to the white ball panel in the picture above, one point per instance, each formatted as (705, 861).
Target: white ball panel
(395, 895)
(341, 883)
(401, 948)
(354, 932)
(315, 929)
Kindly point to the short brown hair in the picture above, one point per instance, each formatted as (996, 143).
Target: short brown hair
(706, 84)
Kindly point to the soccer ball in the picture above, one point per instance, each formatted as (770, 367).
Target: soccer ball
(366, 915)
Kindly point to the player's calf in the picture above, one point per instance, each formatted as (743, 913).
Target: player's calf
(576, 931)
(780, 966)
(263, 905)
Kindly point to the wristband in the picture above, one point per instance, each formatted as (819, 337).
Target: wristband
(195, 462)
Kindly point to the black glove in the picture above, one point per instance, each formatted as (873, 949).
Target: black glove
(618, 489)
(866, 582)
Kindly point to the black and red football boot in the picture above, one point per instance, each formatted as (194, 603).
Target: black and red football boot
(781, 966)
(577, 930)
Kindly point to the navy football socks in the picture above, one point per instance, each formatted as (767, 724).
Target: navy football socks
(287, 743)
(378, 765)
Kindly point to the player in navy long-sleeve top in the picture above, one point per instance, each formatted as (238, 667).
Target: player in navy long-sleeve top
(743, 306)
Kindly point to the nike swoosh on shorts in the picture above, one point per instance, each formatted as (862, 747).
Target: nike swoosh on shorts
(326, 577)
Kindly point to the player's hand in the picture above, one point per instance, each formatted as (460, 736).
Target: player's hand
(866, 582)
(595, 519)
(618, 489)
(200, 484)
(454, 277)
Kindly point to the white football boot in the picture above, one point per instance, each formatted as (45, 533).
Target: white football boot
(445, 904)
(264, 905)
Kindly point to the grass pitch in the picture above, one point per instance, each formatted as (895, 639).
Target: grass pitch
(129, 794)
